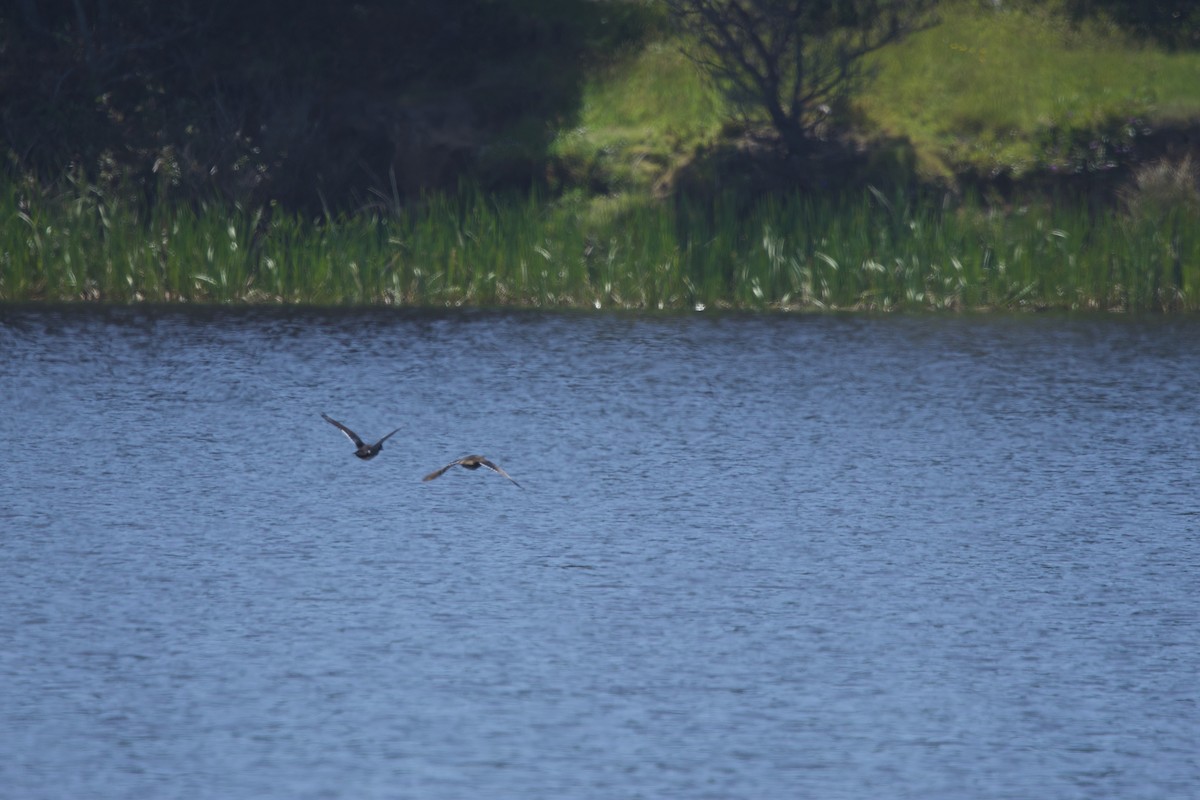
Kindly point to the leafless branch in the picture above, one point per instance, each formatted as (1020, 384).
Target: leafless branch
(791, 58)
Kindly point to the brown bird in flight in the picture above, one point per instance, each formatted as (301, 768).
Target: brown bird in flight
(470, 462)
(365, 451)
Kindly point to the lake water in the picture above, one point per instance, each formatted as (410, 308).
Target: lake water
(753, 556)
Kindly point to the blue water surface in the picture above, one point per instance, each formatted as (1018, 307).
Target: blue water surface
(753, 556)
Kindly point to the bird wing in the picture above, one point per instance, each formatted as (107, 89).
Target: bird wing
(437, 473)
(351, 434)
(495, 468)
(390, 435)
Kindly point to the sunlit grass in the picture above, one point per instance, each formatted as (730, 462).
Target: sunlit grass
(803, 252)
(658, 89)
(987, 87)
(638, 115)
(1011, 88)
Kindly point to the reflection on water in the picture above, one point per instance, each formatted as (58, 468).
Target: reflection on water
(836, 557)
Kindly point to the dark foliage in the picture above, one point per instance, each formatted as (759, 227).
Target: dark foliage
(308, 102)
(1174, 23)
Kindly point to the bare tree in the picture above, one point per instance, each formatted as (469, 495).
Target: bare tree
(792, 59)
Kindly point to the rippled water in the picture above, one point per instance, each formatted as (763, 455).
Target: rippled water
(754, 557)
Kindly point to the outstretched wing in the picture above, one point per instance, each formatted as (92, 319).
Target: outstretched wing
(384, 439)
(495, 468)
(351, 434)
(437, 473)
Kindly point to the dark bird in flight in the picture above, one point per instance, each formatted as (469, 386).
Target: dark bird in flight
(469, 462)
(364, 451)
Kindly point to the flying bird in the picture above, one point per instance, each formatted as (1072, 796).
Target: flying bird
(364, 451)
(469, 462)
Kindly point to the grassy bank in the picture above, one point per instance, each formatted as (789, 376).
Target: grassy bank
(869, 251)
(1014, 90)
(990, 94)
(1020, 88)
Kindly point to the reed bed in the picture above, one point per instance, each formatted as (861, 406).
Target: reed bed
(803, 252)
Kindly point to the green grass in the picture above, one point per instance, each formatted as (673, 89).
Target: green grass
(869, 252)
(985, 92)
(638, 117)
(999, 90)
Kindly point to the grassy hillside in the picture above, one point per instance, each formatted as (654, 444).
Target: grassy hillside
(1021, 90)
(655, 197)
(987, 92)
(639, 117)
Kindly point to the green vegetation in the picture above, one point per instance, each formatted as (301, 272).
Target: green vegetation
(869, 252)
(1007, 159)
(1026, 90)
(639, 116)
(1022, 91)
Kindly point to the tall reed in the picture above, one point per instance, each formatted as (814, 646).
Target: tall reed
(798, 252)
